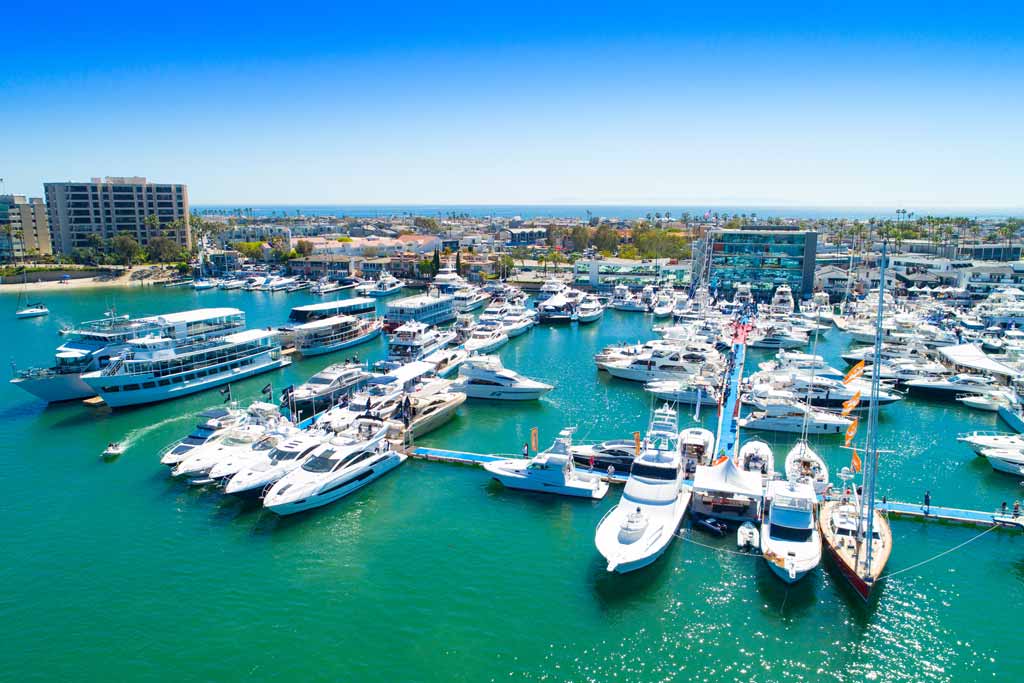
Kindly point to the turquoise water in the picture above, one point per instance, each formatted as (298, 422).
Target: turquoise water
(113, 571)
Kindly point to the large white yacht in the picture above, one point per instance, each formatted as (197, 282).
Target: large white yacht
(624, 300)
(982, 439)
(324, 389)
(951, 387)
(790, 540)
(518, 320)
(485, 377)
(386, 284)
(485, 338)
(214, 424)
(286, 454)
(156, 368)
(791, 416)
(262, 418)
(589, 309)
(782, 302)
(659, 364)
(335, 333)
(690, 389)
(380, 396)
(550, 471)
(92, 345)
(635, 533)
(1008, 460)
(415, 340)
(346, 463)
(469, 298)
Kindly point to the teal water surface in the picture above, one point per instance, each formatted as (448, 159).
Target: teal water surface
(112, 571)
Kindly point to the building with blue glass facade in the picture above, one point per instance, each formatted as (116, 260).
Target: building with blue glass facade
(764, 256)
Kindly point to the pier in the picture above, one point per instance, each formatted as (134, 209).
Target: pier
(479, 459)
(728, 427)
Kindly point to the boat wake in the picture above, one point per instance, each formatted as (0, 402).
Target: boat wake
(132, 437)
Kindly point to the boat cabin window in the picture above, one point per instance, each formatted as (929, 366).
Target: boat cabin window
(788, 533)
(651, 472)
(321, 463)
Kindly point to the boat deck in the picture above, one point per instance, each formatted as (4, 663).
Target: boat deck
(479, 459)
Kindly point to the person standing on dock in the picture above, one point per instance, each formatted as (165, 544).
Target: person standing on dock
(526, 450)
(1016, 508)
(927, 502)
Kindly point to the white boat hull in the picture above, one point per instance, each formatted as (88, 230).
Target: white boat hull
(56, 388)
(329, 348)
(501, 393)
(316, 501)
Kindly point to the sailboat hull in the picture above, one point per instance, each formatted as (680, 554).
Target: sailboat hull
(857, 582)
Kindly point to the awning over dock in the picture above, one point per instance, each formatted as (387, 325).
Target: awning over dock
(971, 356)
(727, 479)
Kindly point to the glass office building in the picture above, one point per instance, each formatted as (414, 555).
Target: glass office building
(766, 257)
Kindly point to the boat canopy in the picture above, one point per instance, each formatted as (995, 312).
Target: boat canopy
(971, 356)
(727, 479)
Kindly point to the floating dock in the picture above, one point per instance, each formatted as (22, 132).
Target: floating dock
(479, 459)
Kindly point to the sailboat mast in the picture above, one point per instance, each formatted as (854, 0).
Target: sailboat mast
(871, 461)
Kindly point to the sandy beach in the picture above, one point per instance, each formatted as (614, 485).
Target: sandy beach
(137, 277)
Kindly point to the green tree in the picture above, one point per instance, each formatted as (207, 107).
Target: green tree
(580, 237)
(426, 223)
(458, 262)
(437, 262)
(304, 247)
(505, 265)
(606, 239)
(125, 249)
(163, 250)
(252, 250)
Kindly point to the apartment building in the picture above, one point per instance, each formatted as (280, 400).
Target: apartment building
(24, 229)
(113, 205)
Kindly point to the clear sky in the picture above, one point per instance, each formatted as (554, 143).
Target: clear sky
(917, 104)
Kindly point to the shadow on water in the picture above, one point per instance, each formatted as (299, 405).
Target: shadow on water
(614, 590)
(791, 601)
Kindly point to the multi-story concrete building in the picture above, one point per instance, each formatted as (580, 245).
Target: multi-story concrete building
(765, 256)
(24, 229)
(110, 206)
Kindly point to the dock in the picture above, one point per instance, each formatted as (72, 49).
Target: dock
(949, 515)
(728, 427)
(479, 459)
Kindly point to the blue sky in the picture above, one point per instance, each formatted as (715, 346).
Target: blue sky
(826, 104)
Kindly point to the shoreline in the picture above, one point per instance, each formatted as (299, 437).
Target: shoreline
(98, 282)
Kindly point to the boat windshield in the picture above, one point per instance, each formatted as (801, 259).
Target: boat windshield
(652, 472)
(319, 380)
(788, 533)
(321, 463)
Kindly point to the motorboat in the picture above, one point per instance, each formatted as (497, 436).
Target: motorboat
(446, 361)
(790, 540)
(793, 417)
(346, 463)
(782, 304)
(664, 303)
(747, 536)
(982, 439)
(485, 338)
(325, 389)
(549, 289)
(776, 337)
(589, 309)
(234, 283)
(624, 300)
(659, 364)
(386, 284)
(956, 384)
(380, 396)
(213, 425)
(264, 418)
(1006, 460)
(617, 454)
(805, 466)
(427, 409)
(285, 453)
(756, 456)
(326, 286)
(990, 402)
(690, 390)
(518, 320)
(113, 449)
(495, 311)
(485, 377)
(263, 449)
(469, 298)
(823, 392)
(298, 286)
(636, 532)
(550, 471)
(695, 447)
(201, 285)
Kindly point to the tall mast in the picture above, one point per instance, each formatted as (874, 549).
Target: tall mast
(871, 461)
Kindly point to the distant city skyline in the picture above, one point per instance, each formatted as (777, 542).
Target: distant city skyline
(868, 106)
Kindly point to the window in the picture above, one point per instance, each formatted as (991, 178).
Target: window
(651, 472)
(787, 533)
(131, 387)
(149, 385)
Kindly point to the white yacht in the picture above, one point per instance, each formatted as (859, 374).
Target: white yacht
(782, 302)
(549, 289)
(343, 465)
(233, 283)
(790, 540)
(624, 300)
(982, 439)
(664, 304)
(415, 340)
(823, 392)
(469, 298)
(589, 309)
(805, 466)
(776, 337)
(204, 284)
(214, 424)
(232, 463)
(381, 396)
(429, 407)
(550, 471)
(32, 310)
(385, 285)
(156, 368)
(659, 364)
(955, 385)
(495, 311)
(92, 345)
(689, 390)
(518, 320)
(1007, 460)
(485, 377)
(485, 338)
(325, 286)
(432, 308)
(756, 456)
(790, 416)
(335, 333)
(286, 454)
(636, 532)
(261, 419)
(447, 361)
(325, 389)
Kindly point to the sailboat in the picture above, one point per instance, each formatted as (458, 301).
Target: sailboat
(803, 464)
(856, 535)
(29, 310)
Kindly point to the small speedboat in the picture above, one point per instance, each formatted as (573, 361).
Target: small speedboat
(711, 525)
(747, 536)
(113, 450)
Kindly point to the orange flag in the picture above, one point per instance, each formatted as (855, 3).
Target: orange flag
(851, 431)
(533, 438)
(855, 462)
(855, 372)
(636, 442)
(848, 406)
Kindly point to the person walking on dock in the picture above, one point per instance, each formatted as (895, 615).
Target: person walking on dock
(927, 502)
(1016, 508)
(526, 450)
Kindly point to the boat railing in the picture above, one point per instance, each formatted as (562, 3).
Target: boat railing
(984, 432)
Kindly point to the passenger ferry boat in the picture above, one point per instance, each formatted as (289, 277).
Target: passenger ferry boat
(432, 308)
(93, 344)
(156, 368)
(360, 305)
(335, 333)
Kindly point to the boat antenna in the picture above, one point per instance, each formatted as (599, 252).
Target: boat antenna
(871, 461)
(810, 390)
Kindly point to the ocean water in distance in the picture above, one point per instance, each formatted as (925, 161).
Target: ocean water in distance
(112, 571)
(527, 212)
